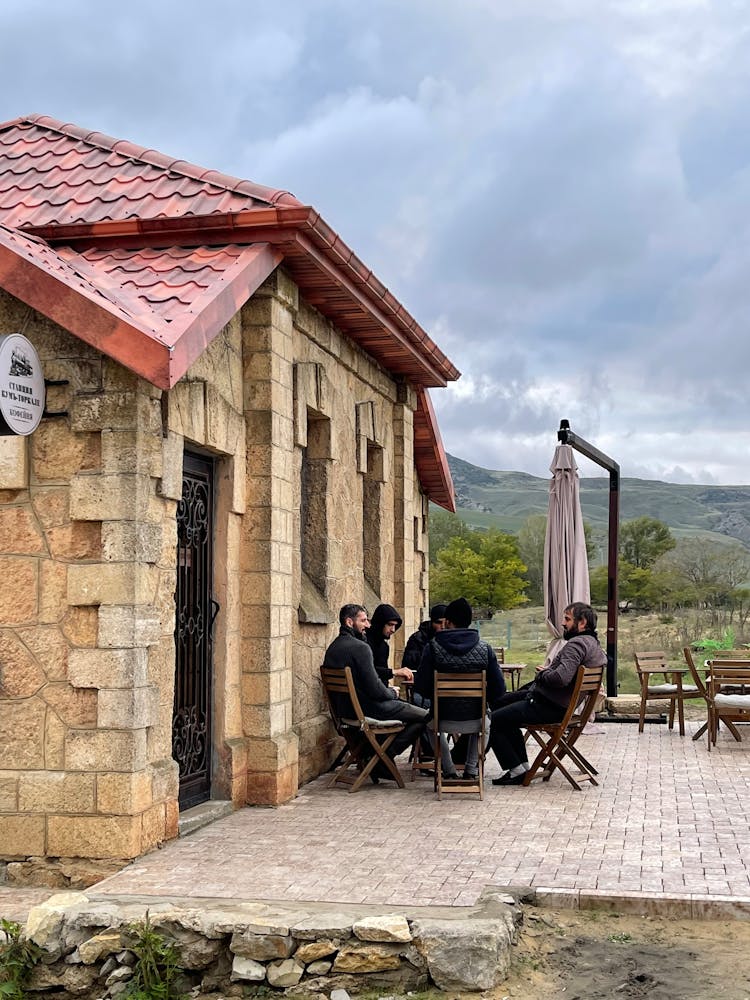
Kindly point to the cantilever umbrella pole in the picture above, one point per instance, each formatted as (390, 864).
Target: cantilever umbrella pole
(566, 436)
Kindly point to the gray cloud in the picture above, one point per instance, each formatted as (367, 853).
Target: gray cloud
(556, 189)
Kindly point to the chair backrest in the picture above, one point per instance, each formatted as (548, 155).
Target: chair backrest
(694, 673)
(652, 658)
(728, 673)
(499, 653)
(464, 685)
(588, 694)
(339, 684)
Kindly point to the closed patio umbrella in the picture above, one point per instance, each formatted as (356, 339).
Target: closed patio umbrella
(566, 568)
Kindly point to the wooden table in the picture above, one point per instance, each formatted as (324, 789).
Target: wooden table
(512, 671)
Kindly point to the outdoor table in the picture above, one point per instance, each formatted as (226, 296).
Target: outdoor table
(512, 671)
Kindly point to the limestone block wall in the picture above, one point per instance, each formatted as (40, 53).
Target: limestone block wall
(88, 547)
(87, 660)
(300, 368)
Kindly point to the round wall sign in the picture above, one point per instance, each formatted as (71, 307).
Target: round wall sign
(22, 388)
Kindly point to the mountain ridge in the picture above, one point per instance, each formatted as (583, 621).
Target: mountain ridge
(504, 499)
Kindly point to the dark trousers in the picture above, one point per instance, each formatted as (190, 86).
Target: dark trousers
(507, 723)
(414, 717)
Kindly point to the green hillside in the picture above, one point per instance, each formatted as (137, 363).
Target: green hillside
(486, 498)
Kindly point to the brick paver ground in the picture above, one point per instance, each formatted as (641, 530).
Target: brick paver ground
(668, 822)
(668, 819)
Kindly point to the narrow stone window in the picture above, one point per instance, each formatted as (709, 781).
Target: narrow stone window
(313, 500)
(372, 496)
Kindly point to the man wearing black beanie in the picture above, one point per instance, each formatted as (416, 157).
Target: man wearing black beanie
(459, 649)
(418, 640)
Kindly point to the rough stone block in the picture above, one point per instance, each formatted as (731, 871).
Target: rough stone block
(20, 532)
(109, 750)
(101, 583)
(56, 792)
(367, 957)
(77, 540)
(57, 454)
(127, 708)
(153, 826)
(131, 541)
(386, 927)
(22, 733)
(172, 448)
(74, 706)
(54, 742)
(20, 673)
(96, 497)
(94, 836)
(8, 793)
(80, 626)
(21, 836)
(108, 668)
(128, 626)
(51, 504)
(14, 464)
(124, 794)
(114, 410)
(245, 969)
(19, 605)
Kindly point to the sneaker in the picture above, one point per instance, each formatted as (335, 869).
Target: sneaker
(507, 780)
(450, 776)
(469, 775)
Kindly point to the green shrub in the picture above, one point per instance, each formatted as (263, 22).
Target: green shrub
(157, 971)
(17, 960)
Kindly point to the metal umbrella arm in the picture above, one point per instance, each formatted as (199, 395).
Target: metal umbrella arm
(566, 436)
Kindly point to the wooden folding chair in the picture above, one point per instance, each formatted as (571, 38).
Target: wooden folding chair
(367, 740)
(454, 685)
(668, 686)
(728, 696)
(557, 739)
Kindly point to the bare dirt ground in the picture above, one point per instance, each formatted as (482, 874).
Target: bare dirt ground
(586, 955)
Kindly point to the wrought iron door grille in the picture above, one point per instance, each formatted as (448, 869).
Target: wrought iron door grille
(191, 722)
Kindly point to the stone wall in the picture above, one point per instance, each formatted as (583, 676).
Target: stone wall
(88, 547)
(87, 946)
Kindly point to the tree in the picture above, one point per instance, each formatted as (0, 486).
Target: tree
(643, 540)
(492, 577)
(531, 550)
(445, 526)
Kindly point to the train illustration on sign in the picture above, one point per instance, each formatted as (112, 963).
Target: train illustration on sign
(20, 364)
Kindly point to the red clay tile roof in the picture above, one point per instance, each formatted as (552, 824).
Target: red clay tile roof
(147, 258)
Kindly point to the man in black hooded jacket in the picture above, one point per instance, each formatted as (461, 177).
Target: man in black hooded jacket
(385, 622)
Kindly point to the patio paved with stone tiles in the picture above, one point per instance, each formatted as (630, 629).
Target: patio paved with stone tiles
(668, 821)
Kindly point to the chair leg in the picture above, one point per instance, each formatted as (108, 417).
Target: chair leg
(681, 715)
(671, 712)
(642, 716)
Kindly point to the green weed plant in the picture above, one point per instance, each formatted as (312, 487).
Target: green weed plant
(18, 957)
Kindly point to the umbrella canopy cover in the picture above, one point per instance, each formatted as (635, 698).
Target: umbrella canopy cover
(566, 567)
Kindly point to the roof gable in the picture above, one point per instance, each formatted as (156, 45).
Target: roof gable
(147, 258)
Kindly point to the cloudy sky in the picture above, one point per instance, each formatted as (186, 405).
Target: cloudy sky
(558, 190)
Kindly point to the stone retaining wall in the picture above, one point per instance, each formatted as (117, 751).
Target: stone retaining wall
(306, 950)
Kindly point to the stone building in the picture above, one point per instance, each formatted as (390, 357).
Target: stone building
(238, 439)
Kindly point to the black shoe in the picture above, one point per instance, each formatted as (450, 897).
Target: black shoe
(507, 780)
(469, 776)
(451, 776)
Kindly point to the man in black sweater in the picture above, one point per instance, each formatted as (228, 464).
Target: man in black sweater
(351, 649)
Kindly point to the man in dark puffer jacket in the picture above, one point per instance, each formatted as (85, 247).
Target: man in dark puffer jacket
(459, 649)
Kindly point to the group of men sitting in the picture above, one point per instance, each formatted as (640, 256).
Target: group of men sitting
(447, 643)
